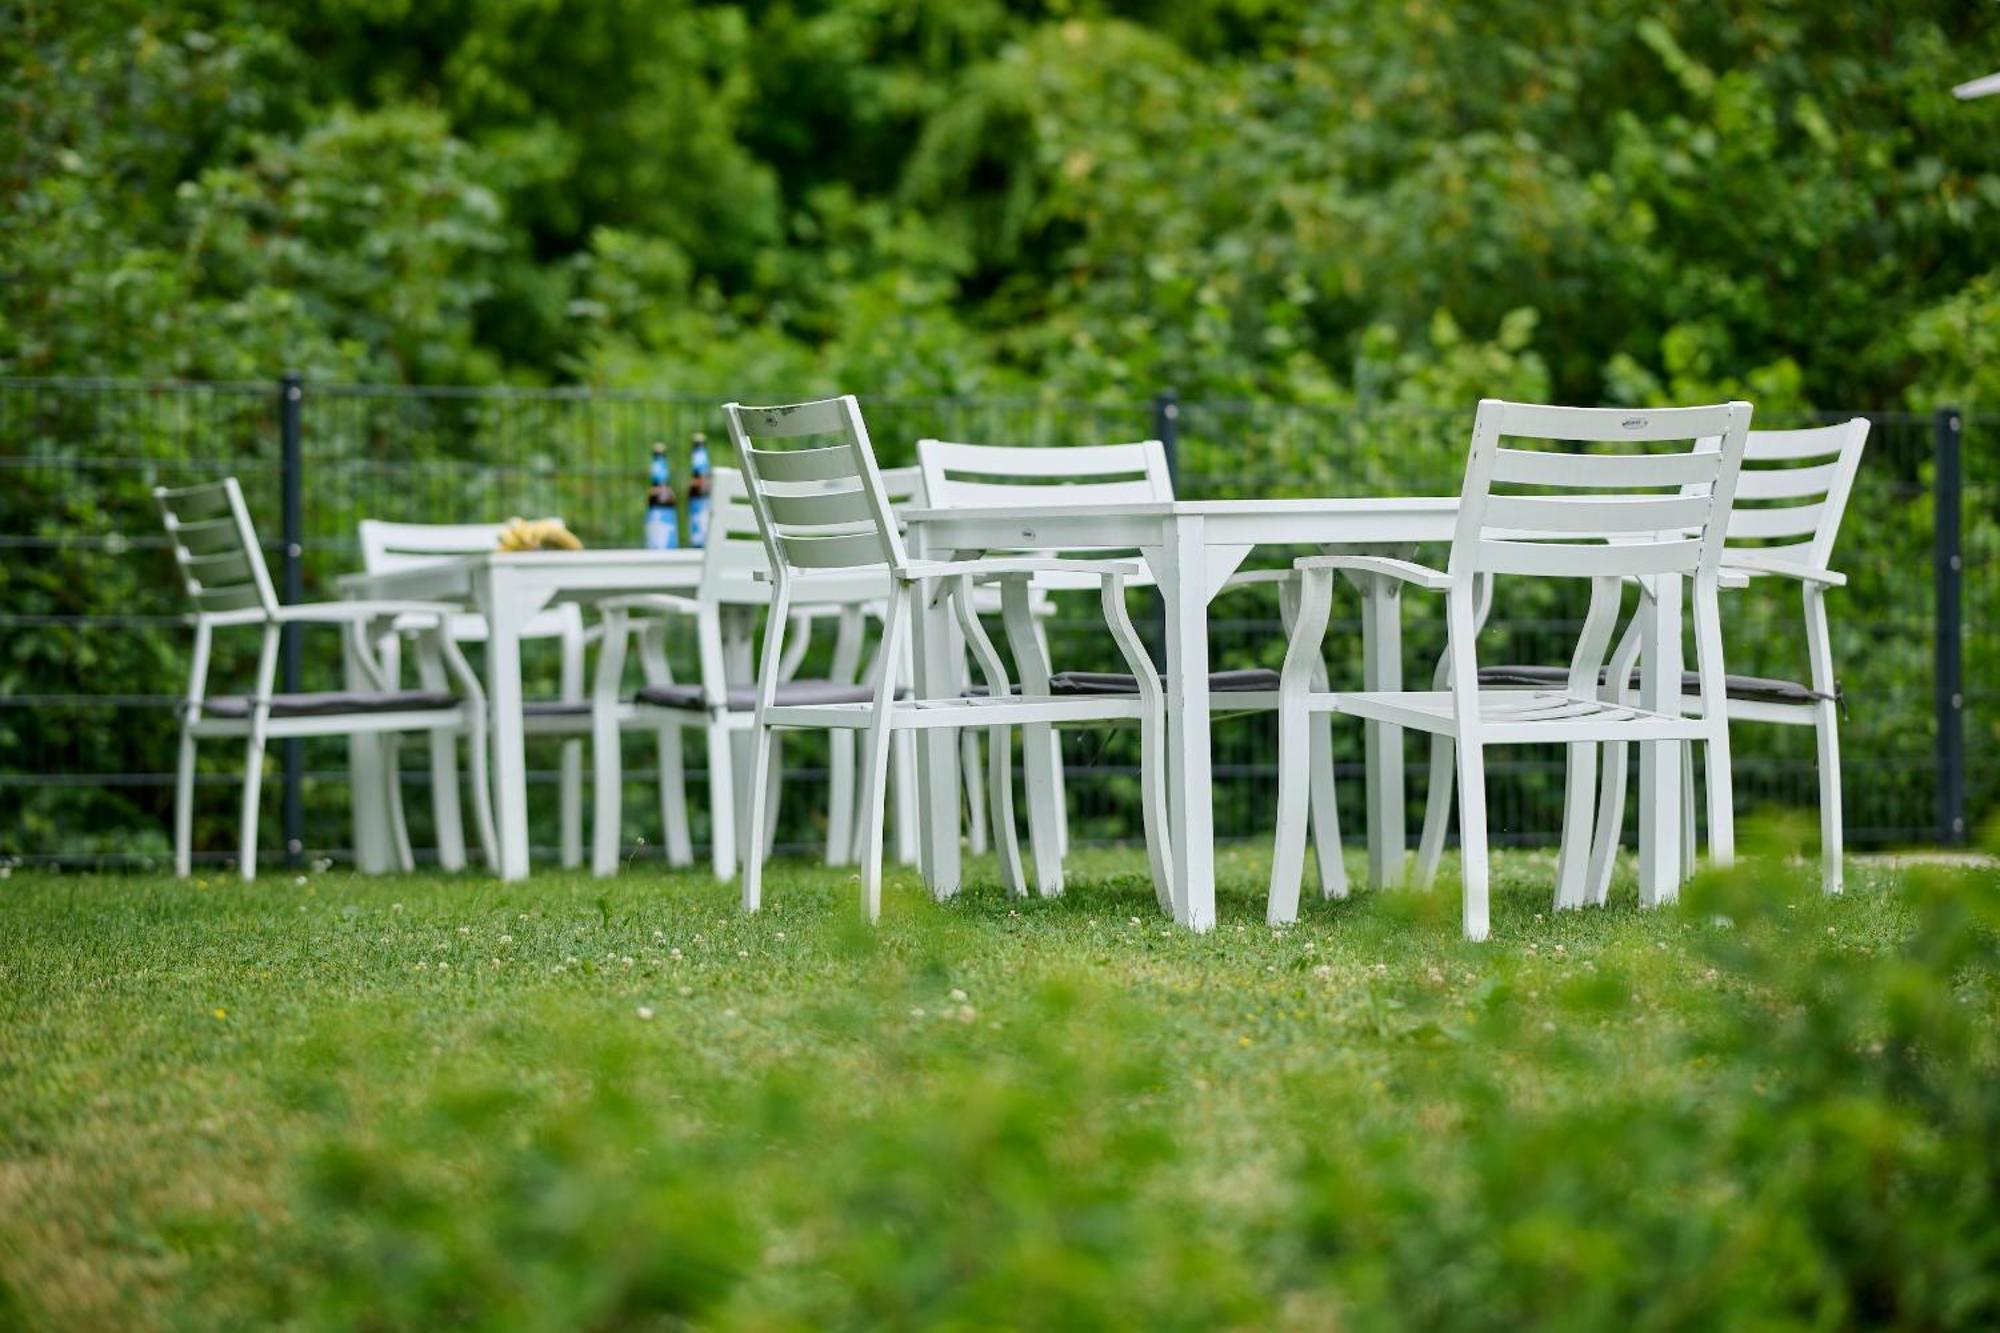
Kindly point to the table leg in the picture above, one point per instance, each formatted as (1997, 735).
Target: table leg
(373, 854)
(1660, 761)
(508, 606)
(1181, 568)
(1382, 669)
(937, 648)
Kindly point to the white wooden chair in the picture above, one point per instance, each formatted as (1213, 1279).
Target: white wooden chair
(223, 568)
(733, 595)
(825, 515)
(388, 547)
(1612, 522)
(1790, 497)
(970, 476)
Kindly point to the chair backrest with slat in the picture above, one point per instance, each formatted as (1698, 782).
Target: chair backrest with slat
(216, 548)
(734, 558)
(1793, 490)
(1642, 509)
(821, 506)
(389, 548)
(975, 475)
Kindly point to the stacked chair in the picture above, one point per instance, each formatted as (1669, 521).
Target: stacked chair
(825, 515)
(1637, 514)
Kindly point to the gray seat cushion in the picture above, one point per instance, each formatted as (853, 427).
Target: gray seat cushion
(325, 703)
(1761, 689)
(743, 698)
(556, 708)
(1118, 682)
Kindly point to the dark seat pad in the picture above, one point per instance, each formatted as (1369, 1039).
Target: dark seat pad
(1761, 689)
(324, 703)
(556, 708)
(743, 698)
(1118, 682)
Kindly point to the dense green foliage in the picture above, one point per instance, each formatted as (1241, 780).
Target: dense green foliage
(1321, 205)
(423, 1103)
(1316, 200)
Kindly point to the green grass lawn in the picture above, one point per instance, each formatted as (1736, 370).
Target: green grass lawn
(424, 1102)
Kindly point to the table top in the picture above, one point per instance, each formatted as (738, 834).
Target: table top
(1359, 520)
(594, 569)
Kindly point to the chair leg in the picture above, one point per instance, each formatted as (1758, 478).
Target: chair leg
(1040, 782)
(903, 782)
(1006, 844)
(184, 807)
(1058, 779)
(445, 809)
(1298, 745)
(1437, 810)
(975, 790)
(1721, 798)
(1288, 848)
(1324, 798)
(481, 767)
(721, 802)
(1153, 807)
(571, 803)
(1579, 802)
(774, 786)
(1827, 729)
(1610, 824)
(840, 817)
(253, 786)
(1472, 836)
(754, 817)
(1687, 811)
(673, 799)
(874, 796)
(399, 825)
(607, 792)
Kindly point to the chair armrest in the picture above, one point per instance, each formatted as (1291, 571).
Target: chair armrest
(1755, 565)
(353, 612)
(664, 602)
(1250, 578)
(1406, 571)
(999, 566)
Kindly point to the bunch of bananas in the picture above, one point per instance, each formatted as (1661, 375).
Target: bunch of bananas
(537, 534)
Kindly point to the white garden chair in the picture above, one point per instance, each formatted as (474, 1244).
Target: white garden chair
(971, 476)
(1611, 523)
(223, 567)
(825, 515)
(390, 547)
(734, 592)
(1790, 497)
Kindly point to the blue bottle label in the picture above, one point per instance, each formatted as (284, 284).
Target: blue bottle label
(698, 521)
(662, 533)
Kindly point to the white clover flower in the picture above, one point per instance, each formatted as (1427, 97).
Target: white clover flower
(957, 995)
(645, 1012)
(686, 991)
(674, 954)
(506, 939)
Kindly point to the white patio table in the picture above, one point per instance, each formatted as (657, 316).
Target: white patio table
(1193, 546)
(509, 588)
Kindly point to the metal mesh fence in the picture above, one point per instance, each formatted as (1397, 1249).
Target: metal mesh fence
(95, 655)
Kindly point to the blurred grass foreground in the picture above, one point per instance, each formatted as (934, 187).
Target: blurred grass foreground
(428, 1103)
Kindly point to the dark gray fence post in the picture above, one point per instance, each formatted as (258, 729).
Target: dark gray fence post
(1167, 430)
(1948, 567)
(291, 396)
